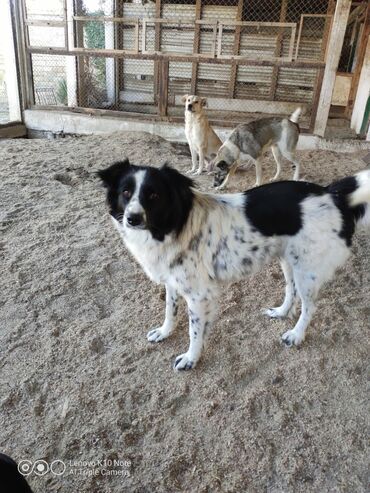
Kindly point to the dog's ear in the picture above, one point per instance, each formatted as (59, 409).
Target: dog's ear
(184, 98)
(203, 102)
(174, 177)
(111, 176)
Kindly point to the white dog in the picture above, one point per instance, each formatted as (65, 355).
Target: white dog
(197, 243)
(202, 139)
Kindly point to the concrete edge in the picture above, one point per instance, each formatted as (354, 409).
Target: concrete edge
(65, 122)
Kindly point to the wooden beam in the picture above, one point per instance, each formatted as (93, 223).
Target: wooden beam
(12, 131)
(279, 45)
(359, 61)
(236, 47)
(196, 44)
(30, 90)
(157, 46)
(328, 23)
(163, 87)
(81, 61)
(316, 97)
(334, 49)
(175, 58)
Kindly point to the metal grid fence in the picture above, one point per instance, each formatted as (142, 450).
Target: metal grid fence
(142, 56)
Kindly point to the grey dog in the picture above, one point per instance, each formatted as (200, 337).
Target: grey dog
(249, 140)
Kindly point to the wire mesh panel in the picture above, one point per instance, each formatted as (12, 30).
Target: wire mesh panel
(178, 47)
(52, 10)
(179, 83)
(46, 36)
(137, 86)
(50, 80)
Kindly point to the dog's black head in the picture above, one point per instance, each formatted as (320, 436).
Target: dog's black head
(221, 171)
(152, 199)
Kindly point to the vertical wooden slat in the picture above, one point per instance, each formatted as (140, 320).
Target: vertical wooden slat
(30, 90)
(163, 87)
(234, 66)
(81, 60)
(157, 47)
(327, 27)
(359, 61)
(316, 97)
(20, 52)
(196, 44)
(66, 44)
(334, 49)
(279, 45)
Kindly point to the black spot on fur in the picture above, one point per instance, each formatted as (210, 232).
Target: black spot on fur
(178, 260)
(194, 242)
(275, 208)
(340, 190)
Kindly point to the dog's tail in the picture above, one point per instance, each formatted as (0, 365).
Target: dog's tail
(294, 117)
(355, 192)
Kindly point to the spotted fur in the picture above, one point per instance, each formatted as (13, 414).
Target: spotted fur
(196, 243)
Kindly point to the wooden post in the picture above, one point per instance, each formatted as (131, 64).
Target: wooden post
(333, 54)
(157, 47)
(26, 90)
(234, 66)
(163, 87)
(279, 45)
(359, 61)
(324, 43)
(81, 62)
(316, 98)
(196, 44)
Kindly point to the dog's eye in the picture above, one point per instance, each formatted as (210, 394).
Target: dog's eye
(153, 196)
(126, 194)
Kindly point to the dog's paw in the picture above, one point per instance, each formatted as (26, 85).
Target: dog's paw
(197, 173)
(157, 335)
(291, 338)
(190, 172)
(184, 362)
(275, 312)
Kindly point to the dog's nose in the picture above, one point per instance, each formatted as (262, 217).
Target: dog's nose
(135, 219)
(190, 106)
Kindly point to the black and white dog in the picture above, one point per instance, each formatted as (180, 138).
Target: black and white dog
(195, 243)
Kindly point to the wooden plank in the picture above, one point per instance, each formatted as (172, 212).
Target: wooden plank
(196, 45)
(12, 131)
(163, 87)
(30, 91)
(359, 61)
(279, 45)
(327, 28)
(176, 58)
(66, 43)
(249, 105)
(236, 47)
(44, 23)
(92, 18)
(334, 49)
(81, 62)
(316, 97)
(157, 45)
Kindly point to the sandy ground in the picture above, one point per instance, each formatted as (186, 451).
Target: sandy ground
(80, 383)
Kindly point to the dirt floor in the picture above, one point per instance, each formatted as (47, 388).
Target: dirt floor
(79, 382)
